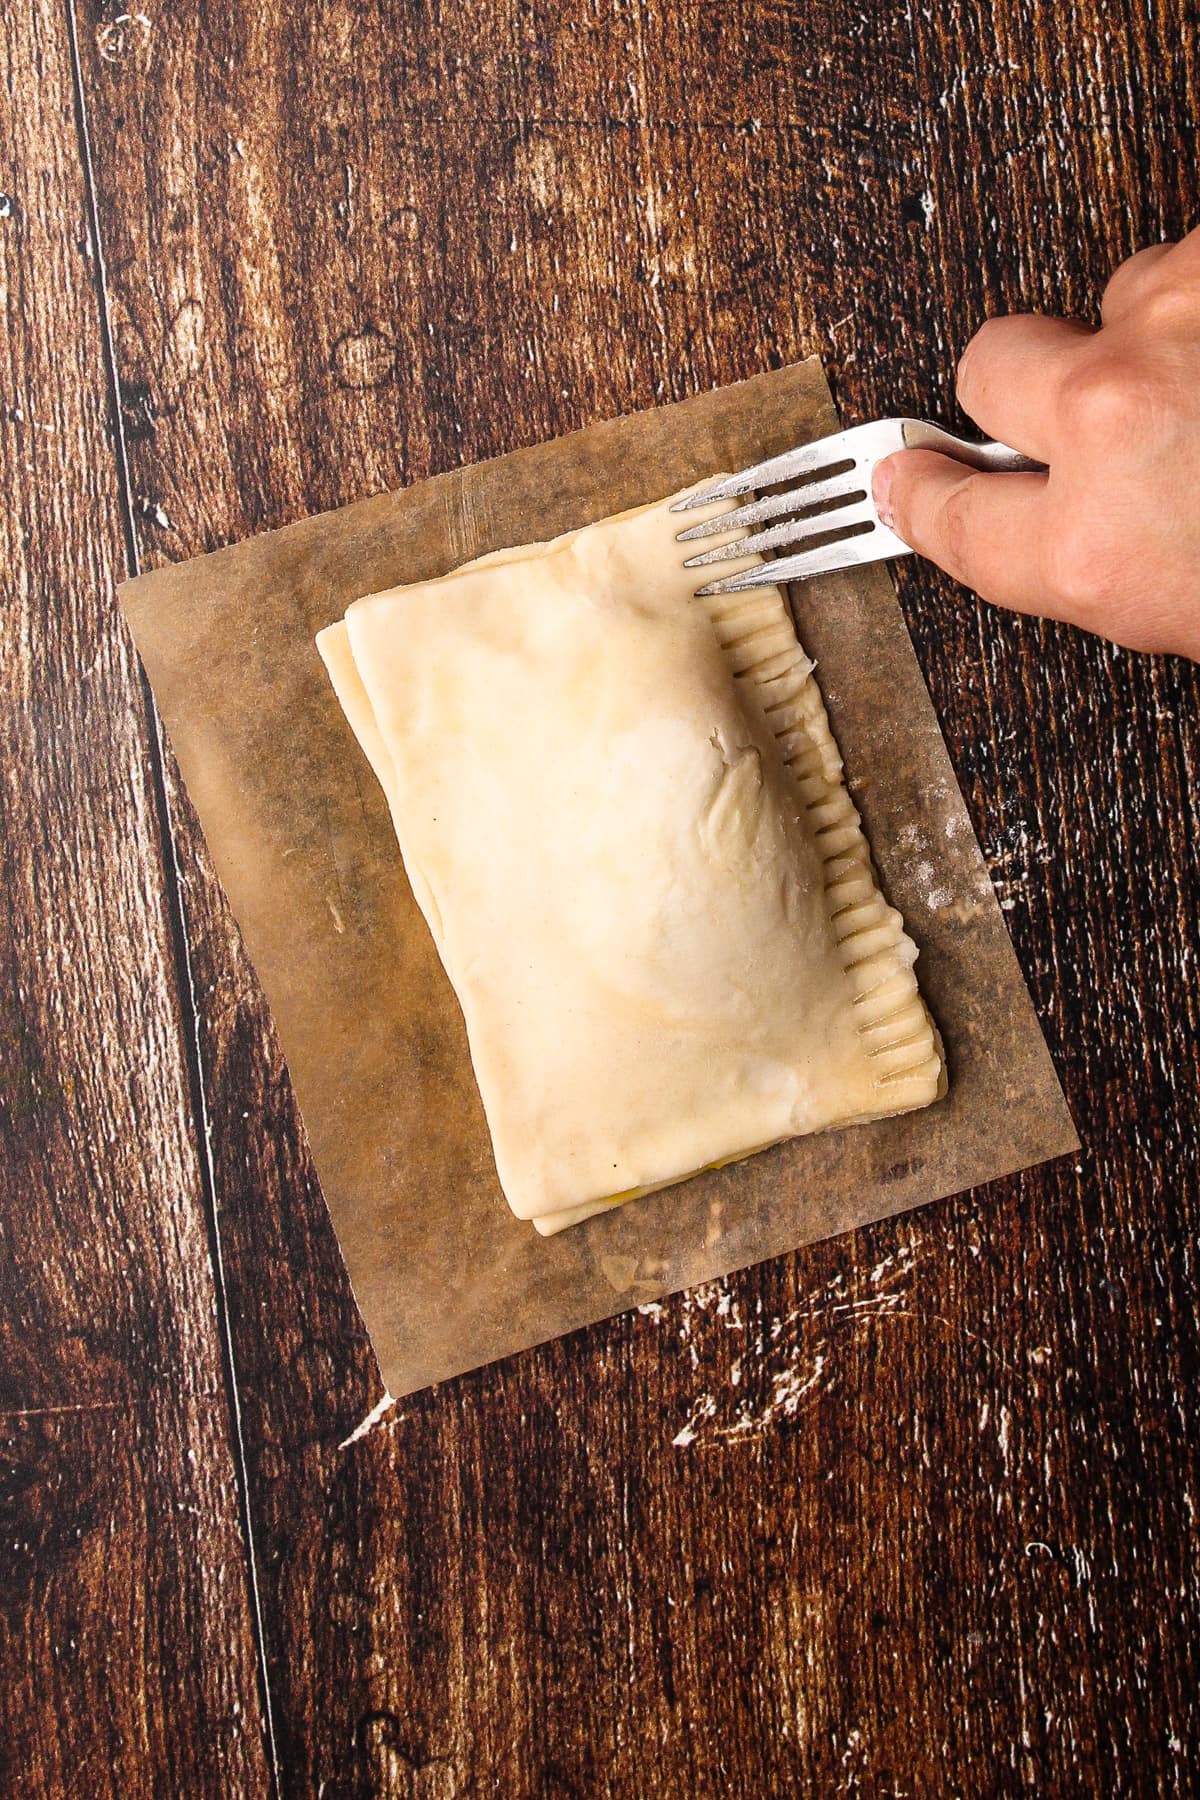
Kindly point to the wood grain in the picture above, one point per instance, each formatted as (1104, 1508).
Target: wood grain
(127, 1651)
(931, 1530)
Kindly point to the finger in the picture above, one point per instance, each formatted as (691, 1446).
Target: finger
(985, 530)
(1186, 253)
(1129, 285)
(1011, 374)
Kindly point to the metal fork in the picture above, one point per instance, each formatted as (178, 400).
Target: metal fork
(834, 474)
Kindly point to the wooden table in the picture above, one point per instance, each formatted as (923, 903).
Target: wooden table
(259, 265)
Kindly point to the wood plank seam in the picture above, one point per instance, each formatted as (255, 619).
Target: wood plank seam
(188, 1007)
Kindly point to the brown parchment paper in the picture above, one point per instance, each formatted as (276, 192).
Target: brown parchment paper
(300, 836)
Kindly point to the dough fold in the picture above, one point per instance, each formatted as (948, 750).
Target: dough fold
(623, 816)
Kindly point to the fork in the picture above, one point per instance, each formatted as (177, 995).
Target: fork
(834, 475)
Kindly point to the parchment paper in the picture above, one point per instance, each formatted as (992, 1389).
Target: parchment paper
(300, 835)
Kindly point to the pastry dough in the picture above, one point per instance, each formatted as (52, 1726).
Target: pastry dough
(622, 814)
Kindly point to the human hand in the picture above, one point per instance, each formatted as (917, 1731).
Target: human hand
(1110, 538)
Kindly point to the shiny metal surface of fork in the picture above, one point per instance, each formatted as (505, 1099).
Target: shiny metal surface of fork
(833, 474)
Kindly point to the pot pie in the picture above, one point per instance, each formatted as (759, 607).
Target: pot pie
(622, 814)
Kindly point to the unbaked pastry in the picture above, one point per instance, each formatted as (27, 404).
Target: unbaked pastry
(622, 814)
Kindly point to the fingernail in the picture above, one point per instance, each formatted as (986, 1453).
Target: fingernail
(881, 491)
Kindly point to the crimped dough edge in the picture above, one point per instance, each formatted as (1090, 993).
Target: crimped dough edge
(759, 640)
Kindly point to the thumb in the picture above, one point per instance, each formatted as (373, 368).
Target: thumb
(986, 530)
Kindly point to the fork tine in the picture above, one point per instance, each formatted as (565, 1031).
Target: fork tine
(866, 547)
(792, 531)
(812, 493)
(805, 460)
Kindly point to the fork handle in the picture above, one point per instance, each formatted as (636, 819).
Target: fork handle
(987, 455)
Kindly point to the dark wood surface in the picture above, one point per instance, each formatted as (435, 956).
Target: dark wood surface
(128, 1660)
(935, 1531)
